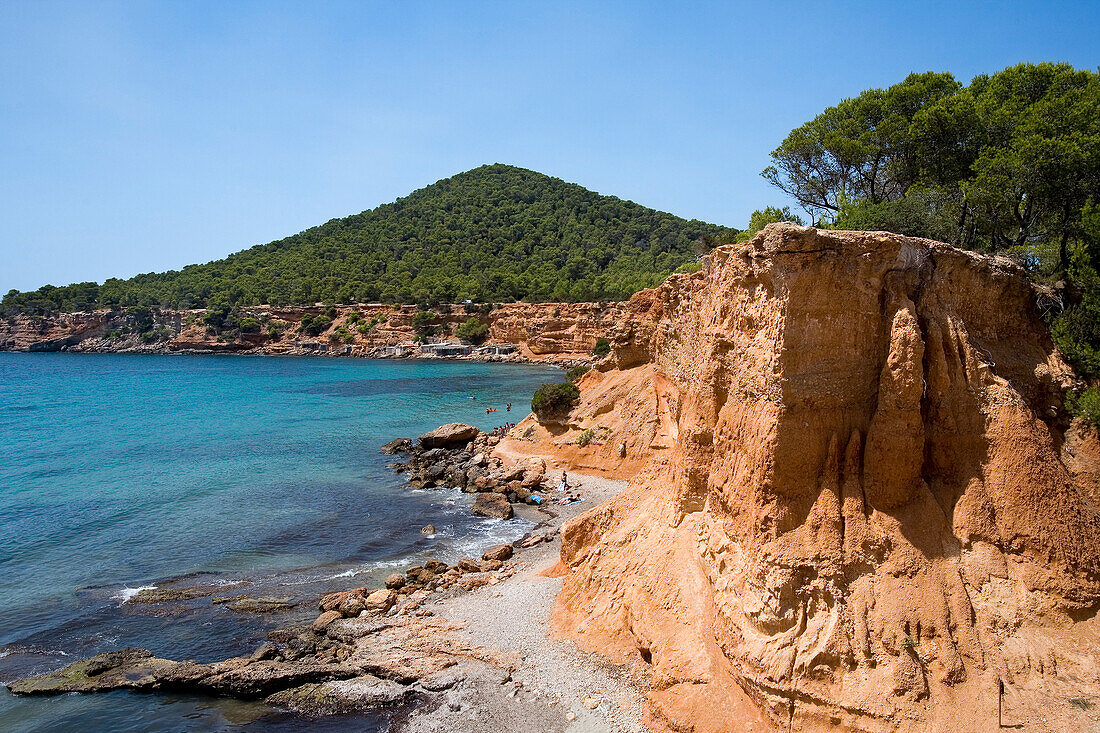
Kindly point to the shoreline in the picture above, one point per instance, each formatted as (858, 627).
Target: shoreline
(562, 362)
(481, 657)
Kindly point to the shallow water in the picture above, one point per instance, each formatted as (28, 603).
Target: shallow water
(261, 475)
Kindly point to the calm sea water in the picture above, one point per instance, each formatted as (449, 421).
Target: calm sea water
(261, 474)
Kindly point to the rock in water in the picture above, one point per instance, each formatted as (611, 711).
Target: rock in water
(448, 435)
(427, 529)
(495, 506)
(397, 445)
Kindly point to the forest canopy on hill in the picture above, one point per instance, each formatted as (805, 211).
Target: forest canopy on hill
(496, 233)
(1007, 164)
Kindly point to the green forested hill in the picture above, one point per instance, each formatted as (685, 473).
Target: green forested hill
(495, 233)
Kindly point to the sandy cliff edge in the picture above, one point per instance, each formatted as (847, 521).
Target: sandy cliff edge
(856, 504)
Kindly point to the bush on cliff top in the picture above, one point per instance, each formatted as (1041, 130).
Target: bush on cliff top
(554, 400)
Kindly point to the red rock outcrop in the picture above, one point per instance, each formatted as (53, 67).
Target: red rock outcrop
(862, 505)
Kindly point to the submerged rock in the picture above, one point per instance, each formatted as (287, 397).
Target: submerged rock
(260, 604)
(167, 595)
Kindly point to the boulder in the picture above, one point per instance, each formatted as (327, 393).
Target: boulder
(469, 565)
(395, 580)
(333, 601)
(353, 605)
(498, 552)
(326, 618)
(515, 473)
(436, 566)
(427, 529)
(381, 600)
(447, 435)
(494, 506)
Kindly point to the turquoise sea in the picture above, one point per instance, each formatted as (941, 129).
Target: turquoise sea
(261, 474)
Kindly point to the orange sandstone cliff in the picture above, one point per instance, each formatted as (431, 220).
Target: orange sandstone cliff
(857, 503)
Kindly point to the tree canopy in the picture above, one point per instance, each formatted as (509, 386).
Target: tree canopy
(495, 233)
(1009, 163)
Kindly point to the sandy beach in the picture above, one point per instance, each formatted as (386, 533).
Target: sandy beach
(554, 686)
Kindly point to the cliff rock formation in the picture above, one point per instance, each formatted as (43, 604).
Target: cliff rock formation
(559, 331)
(859, 504)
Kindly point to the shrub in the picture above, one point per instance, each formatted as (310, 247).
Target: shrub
(472, 330)
(424, 324)
(554, 400)
(576, 373)
(250, 325)
(602, 347)
(341, 334)
(314, 325)
(1085, 405)
(586, 437)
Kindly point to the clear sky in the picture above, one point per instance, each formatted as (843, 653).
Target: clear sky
(141, 136)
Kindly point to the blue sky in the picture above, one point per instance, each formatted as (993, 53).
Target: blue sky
(137, 136)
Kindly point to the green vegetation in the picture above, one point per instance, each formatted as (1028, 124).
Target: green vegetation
(496, 233)
(586, 437)
(602, 347)
(554, 400)
(365, 327)
(472, 330)
(314, 325)
(1009, 163)
(425, 324)
(576, 373)
(768, 215)
(1085, 404)
(250, 325)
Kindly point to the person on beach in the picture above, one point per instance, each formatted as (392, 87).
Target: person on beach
(564, 484)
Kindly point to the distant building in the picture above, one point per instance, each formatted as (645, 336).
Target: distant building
(311, 346)
(498, 349)
(447, 348)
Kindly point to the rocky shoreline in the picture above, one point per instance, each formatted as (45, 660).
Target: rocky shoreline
(371, 647)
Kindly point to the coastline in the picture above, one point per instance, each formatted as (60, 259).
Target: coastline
(471, 653)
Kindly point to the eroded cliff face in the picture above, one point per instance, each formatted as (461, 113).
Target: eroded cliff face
(861, 504)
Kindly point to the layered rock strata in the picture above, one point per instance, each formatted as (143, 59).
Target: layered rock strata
(860, 504)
